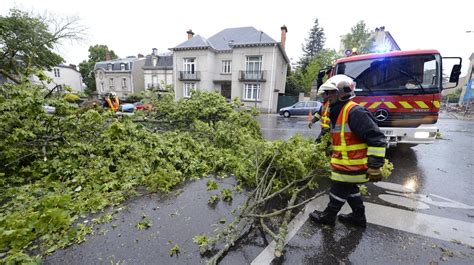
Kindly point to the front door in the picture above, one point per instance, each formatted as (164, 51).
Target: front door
(226, 91)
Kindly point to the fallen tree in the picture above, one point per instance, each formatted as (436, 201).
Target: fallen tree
(57, 168)
(288, 172)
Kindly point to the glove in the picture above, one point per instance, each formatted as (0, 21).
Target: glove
(310, 124)
(374, 174)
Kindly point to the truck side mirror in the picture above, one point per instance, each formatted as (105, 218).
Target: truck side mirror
(321, 74)
(455, 72)
(451, 79)
(319, 80)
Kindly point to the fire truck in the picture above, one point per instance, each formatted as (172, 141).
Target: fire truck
(402, 89)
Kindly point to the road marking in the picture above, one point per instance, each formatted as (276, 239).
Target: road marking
(403, 220)
(405, 196)
(267, 255)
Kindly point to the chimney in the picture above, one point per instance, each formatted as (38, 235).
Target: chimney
(107, 56)
(140, 55)
(190, 34)
(284, 30)
(155, 51)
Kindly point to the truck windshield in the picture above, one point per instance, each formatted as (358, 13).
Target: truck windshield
(403, 74)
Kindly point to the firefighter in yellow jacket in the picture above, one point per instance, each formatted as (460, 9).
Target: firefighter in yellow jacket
(358, 152)
(322, 115)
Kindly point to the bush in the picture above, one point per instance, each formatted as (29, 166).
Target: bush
(134, 97)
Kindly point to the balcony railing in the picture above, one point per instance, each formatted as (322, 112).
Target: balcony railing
(258, 76)
(149, 85)
(189, 76)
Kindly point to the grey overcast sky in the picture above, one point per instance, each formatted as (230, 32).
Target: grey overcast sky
(132, 27)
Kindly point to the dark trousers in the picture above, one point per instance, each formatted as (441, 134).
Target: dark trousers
(340, 193)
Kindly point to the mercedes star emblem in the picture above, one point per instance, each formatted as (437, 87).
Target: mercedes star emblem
(381, 115)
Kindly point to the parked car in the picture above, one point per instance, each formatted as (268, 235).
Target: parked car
(141, 106)
(127, 108)
(49, 109)
(301, 108)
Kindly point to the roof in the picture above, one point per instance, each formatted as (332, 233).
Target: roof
(116, 64)
(392, 40)
(165, 61)
(230, 38)
(68, 66)
(227, 38)
(195, 42)
(387, 54)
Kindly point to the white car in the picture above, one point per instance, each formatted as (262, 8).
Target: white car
(49, 109)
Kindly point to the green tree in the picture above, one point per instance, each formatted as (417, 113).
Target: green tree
(97, 53)
(324, 58)
(27, 42)
(302, 80)
(292, 86)
(359, 38)
(314, 44)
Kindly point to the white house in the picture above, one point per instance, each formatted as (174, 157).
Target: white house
(63, 75)
(382, 41)
(236, 62)
(158, 70)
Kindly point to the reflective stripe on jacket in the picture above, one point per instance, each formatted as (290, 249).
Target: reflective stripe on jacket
(349, 155)
(325, 123)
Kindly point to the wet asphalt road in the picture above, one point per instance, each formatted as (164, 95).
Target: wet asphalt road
(439, 176)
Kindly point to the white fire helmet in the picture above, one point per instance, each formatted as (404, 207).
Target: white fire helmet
(342, 83)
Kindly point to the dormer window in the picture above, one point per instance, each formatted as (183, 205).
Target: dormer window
(109, 67)
(155, 61)
(122, 67)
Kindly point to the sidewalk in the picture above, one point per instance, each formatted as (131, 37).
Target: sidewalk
(456, 115)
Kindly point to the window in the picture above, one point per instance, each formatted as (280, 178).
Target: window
(188, 88)
(251, 91)
(253, 67)
(417, 73)
(124, 82)
(189, 65)
(155, 60)
(56, 72)
(122, 67)
(253, 64)
(102, 87)
(109, 67)
(226, 67)
(300, 105)
(154, 81)
(111, 83)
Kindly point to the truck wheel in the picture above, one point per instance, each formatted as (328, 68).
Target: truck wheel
(286, 114)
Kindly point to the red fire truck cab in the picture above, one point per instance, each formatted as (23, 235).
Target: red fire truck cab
(402, 89)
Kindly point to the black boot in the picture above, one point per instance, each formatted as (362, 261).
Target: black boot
(327, 217)
(356, 218)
